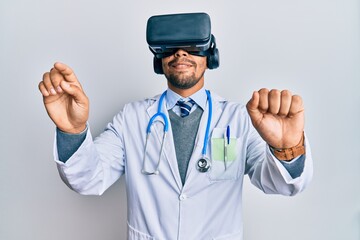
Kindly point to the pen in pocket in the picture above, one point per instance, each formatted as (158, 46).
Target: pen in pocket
(226, 144)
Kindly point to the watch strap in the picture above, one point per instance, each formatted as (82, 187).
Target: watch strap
(287, 154)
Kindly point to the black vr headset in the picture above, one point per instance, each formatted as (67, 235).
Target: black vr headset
(191, 32)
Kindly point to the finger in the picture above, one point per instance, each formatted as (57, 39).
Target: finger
(253, 106)
(43, 90)
(75, 91)
(253, 103)
(66, 71)
(48, 84)
(274, 99)
(56, 77)
(264, 100)
(296, 105)
(286, 97)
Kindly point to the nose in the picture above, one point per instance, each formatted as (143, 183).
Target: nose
(181, 53)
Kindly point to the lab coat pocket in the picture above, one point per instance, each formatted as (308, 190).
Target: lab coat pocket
(224, 156)
(134, 234)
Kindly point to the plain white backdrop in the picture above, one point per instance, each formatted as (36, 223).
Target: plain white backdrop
(311, 47)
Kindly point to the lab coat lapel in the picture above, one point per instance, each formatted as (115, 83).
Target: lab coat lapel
(169, 148)
(192, 172)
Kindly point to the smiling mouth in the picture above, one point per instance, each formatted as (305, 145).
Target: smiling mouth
(181, 65)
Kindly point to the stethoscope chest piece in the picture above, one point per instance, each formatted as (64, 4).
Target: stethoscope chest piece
(203, 164)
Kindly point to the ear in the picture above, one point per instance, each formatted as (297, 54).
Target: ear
(157, 62)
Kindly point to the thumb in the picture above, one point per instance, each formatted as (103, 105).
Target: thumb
(66, 71)
(253, 107)
(75, 91)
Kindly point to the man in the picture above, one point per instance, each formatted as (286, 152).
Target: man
(184, 178)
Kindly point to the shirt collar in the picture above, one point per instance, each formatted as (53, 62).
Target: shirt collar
(172, 97)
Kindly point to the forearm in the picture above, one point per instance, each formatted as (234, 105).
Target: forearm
(274, 176)
(68, 144)
(90, 166)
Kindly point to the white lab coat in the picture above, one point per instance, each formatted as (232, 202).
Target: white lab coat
(209, 205)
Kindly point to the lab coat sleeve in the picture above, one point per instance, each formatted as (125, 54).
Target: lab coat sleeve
(268, 174)
(97, 164)
(294, 167)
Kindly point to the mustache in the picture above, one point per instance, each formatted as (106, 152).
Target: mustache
(182, 60)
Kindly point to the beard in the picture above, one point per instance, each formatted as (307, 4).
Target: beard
(182, 80)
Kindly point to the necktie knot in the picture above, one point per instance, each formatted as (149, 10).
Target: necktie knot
(185, 107)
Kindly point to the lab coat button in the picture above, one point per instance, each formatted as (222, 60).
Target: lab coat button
(182, 197)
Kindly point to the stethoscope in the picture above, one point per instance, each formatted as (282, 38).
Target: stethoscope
(203, 164)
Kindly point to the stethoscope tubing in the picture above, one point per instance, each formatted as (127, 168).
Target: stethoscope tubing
(207, 132)
(159, 113)
(162, 115)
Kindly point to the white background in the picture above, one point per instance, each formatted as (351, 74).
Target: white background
(310, 47)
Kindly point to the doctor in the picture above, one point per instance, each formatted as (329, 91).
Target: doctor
(188, 184)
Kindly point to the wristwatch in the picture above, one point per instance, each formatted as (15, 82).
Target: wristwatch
(287, 154)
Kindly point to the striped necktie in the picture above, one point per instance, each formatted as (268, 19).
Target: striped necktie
(185, 107)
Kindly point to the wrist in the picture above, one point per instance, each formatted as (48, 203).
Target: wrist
(287, 154)
(75, 130)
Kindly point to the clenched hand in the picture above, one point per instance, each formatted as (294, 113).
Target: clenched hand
(278, 116)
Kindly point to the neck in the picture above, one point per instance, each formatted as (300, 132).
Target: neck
(187, 92)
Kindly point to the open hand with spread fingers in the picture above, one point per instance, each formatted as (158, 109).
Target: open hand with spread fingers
(64, 99)
(278, 116)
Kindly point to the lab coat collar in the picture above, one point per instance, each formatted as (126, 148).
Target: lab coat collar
(172, 97)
